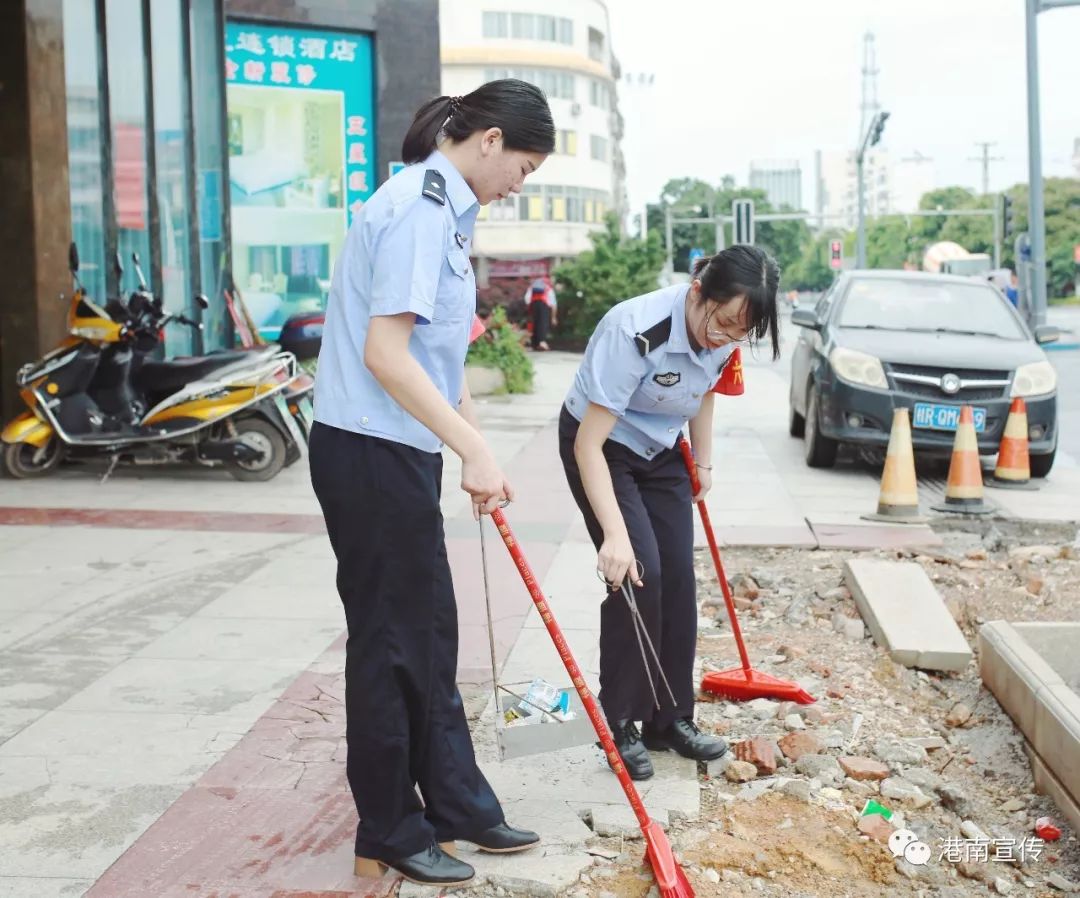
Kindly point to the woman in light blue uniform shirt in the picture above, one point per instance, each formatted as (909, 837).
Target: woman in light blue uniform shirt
(648, 371)
(390, 393)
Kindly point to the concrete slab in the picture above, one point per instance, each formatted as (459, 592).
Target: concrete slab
(1014, 672)
(619, 820)
(540, 873)
(1048, 784)
(1028, 683)
(854, 535)
(906, 615)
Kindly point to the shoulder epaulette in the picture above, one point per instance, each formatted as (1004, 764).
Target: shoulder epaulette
(434, 186)
(655, 336)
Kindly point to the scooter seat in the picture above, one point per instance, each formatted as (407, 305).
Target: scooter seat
(169, 376)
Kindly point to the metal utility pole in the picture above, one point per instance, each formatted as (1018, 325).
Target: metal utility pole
(1036, 210)
(869, 107)
(869, 139)
(985, 159)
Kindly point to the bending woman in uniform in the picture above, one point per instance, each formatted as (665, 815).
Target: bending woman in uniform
(648, 370)
(390, 393)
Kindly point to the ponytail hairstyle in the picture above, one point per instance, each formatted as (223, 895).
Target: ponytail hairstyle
(744, 271)
(516, 107)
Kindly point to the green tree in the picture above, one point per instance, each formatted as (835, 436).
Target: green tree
(812, 270)
(616, 268)
(694, 198)
(890, 243)
(1061, 198)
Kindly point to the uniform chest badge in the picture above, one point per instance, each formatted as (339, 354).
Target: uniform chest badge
(668, 379)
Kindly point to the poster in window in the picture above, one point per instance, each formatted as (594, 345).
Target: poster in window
(301, 160)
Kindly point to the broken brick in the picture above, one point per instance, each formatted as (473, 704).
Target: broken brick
(876, 827)
(795, 745)
(758, 751)
(863, 769)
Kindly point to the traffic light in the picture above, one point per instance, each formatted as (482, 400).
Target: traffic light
(836, 254)
(742, 214)
(877, 127)
(1007, 223)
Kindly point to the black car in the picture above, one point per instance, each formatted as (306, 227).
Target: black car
(881, 340)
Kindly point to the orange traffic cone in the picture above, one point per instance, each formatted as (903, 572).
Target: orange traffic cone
(898, 502)
(1013, 469)
(964, 491)
(731, 376)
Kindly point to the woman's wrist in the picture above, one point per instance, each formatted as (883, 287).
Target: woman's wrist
(703, 467)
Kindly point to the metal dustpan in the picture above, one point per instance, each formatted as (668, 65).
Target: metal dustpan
(548, 734)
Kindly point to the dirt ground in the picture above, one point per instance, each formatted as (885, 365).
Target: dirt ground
(773, 837)
(935, 749)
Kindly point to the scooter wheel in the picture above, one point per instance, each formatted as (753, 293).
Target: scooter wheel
(23, 460)
(260, 434)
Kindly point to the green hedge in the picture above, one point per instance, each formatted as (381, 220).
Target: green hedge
(502, 347)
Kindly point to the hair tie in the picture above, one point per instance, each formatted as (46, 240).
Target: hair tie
(455, 104)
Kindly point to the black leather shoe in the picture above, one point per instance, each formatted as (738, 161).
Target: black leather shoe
(635, 757)
(503, 839)
(432, 866)
(686, 739)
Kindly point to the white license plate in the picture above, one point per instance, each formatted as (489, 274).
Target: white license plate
(932, 416)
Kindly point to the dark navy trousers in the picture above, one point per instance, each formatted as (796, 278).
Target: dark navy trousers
(655, 499)
(411, 766)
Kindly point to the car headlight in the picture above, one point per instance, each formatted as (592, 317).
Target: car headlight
(1034, 380)
(858, 368)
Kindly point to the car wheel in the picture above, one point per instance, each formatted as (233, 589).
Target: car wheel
(796, 423)
(820, 451)
(1041, 464)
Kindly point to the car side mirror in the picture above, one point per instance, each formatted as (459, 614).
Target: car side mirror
(1047, 333)
(806, 318)
(73, 258)
(202, 301)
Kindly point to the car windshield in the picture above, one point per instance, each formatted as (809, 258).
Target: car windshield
(930, 307)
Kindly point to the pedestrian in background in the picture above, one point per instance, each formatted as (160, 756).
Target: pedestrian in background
(390, 392)
(543, 306)
(649, 370)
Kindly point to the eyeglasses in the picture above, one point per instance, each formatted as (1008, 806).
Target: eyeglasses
(718, 335)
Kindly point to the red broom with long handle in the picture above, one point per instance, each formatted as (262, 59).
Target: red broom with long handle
(738, 683)
(670, 877)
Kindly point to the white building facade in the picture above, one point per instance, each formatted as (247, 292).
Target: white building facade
(892, 186)
(562, 46)
(781, 181)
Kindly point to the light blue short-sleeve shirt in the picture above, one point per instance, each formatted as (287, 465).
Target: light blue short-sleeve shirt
(406, 251)
(653, 386)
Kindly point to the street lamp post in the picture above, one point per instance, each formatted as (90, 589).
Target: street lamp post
(1036, 209)
(869, 139)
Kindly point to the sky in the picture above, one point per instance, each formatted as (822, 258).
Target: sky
(743, 80)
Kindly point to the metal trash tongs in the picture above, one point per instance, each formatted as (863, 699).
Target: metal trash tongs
(643, 638)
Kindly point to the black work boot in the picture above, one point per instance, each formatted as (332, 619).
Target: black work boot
(502, 839)
(432, 866)
(628, 742)
(686, 739)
